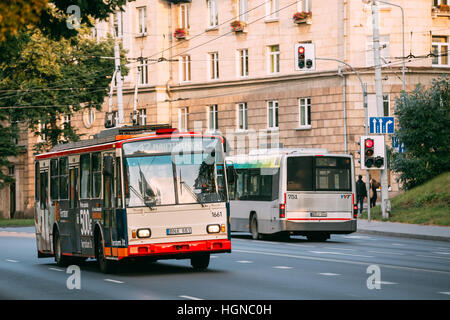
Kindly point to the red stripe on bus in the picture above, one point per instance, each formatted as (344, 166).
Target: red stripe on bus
(320, 219)
(78, 150)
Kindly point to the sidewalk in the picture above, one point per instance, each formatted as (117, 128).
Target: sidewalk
(406, 230)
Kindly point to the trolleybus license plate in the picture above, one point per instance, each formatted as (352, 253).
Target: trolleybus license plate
(174, 231)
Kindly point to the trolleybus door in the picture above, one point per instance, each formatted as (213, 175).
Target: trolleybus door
(74, 211)
(108, 197)
(44, 207)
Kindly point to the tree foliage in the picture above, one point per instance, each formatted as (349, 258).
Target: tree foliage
(424, 128)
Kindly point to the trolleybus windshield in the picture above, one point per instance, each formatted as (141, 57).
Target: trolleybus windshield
(173, 171)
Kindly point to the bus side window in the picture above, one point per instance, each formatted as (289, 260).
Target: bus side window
(63, 179)
(43, 179)
(36, 182)
(73, 187)
(96, 175)
(85, 176)
(54, 179)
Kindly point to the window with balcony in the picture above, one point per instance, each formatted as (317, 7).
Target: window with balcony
(183, 18)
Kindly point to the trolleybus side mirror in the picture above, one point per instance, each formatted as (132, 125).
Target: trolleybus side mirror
(108, 165)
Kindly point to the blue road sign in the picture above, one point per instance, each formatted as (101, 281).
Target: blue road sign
(397, 145)
(381, 125)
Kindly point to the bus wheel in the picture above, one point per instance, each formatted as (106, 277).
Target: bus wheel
(254, 228)
(105, 265)
(200, 261)
(60, 259)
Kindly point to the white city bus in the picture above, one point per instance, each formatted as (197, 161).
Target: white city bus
(306, 192)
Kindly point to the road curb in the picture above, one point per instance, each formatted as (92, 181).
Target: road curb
(404, 235)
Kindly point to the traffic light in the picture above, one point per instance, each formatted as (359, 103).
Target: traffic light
(305, 57)
(372, 152)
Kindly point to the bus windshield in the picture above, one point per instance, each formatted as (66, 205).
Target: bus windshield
(182, 177)
(318, 173)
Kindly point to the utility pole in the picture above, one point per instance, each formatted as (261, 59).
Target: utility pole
(119, 80)
(385, 203)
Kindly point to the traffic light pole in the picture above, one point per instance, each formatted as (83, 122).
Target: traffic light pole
(366, 126)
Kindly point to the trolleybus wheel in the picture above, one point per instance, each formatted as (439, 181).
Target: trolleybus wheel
(60, 259)
(106, 266)
(200, 261)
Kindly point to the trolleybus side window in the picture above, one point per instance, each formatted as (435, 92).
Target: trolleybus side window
(96, 175)
(299, 174)
(118, 184)
(251, 184)
(63, 179)
(36, 181)
(43, 180)
(85, 176)
(73, 187)
(108, 184)
(54, 179)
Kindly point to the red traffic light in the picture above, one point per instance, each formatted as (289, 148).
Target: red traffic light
(369, 143)
(301, 50)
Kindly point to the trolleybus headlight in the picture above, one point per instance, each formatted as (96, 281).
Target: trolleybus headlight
(144, 233)
(213, 228)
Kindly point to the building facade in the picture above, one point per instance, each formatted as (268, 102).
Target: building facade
(228, 66)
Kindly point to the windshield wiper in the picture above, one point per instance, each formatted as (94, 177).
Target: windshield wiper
(191, 191)
(147, 204)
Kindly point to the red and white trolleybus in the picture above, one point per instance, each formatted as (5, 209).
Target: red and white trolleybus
(133, 192)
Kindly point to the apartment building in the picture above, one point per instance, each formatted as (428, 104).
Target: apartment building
(228, 66)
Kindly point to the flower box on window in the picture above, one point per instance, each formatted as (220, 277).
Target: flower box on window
(444, 7)
(180, 33)
(237, 26)
(302, 17)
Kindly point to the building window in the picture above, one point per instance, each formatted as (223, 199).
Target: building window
(440, 2)
(183, 19)
(439, 47)
(185, 68)
(304, 5)
(304, 119)
(213, 14)
(142, 118)
(116, 118)
(213, 118)
(142, 16)
(143, 71)
(214, 65)
(242, 119)
(272, 114)
(274, 59)
(118, 23)
(183, 117)
(243, 8)
(372, 105)
(384, 50)
(272, 7)
(243, 62)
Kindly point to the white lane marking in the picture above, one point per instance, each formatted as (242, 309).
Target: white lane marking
(337, 248)
(434, 257)
(397, 244)
(359, 237)
(56, 269)
(113, 281)
(213, 257)
(386, 252)
(360, 263)
(189, 297)
(442, 252)
(384, 282)
(445, 292)
(282, 267)
(329, 274)
(244, 261)
(340, 253)
(11, 260)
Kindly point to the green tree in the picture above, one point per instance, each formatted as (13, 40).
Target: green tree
(424, 127)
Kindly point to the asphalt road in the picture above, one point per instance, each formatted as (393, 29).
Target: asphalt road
(345, 267)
